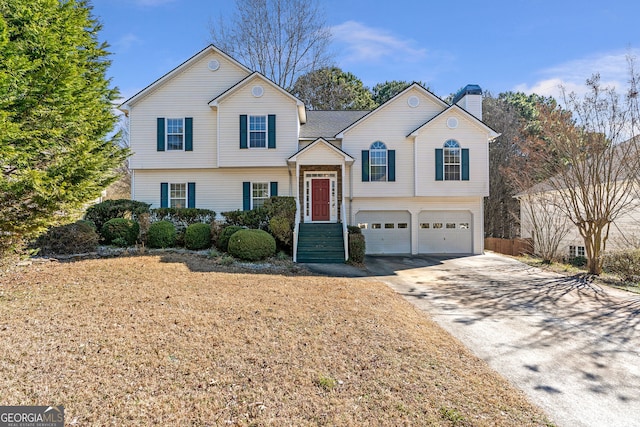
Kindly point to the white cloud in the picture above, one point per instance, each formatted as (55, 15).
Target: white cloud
(127, 41)
(572, 75)
(367, 44)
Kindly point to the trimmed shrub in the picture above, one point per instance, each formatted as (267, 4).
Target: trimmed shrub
(121, 229)
(223, 240)
(255, 218)
(624, 263)
(161, 234)
(78, 237)
(357, 248)
(198, 236)
(354, 229)
(252, 245)
(100, 213)
(182, 217)
(281, 229)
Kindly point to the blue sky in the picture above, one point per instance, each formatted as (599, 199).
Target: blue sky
(525, 45)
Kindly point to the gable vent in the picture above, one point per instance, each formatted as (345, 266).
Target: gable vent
(413, 101)
(214, 64)
(257, 91)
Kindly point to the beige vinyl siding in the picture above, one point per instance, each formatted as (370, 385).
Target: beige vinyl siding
(271, 102)
(184, 95)
(320, 154)
(216, 189)
(391, 125)
(469, 135)
(416, 205)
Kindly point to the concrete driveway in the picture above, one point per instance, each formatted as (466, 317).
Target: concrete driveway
(571, 346)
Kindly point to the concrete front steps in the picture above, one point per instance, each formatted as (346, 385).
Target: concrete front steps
(320, 243)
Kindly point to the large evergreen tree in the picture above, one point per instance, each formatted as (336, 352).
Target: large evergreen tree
(331, 88)
(56, 114)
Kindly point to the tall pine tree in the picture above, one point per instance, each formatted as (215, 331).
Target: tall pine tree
(56, 114)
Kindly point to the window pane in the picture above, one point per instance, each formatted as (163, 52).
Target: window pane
(389, 225)
(257, 131)
(402, 225)
(376, 226)
(437, 225)
(178, 195)
(378, 173)
(464, 226)
(259, 193)
(451, 225)
(424, 225)
(174, 142)
(175, 134)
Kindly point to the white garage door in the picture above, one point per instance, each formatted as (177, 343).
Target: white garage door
(444, 232)
(386, 232)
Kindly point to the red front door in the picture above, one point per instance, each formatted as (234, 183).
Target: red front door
(320, 200)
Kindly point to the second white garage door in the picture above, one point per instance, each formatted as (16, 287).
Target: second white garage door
(386, 232)
(445, 232)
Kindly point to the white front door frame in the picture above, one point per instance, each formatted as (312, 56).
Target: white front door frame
(333, 194)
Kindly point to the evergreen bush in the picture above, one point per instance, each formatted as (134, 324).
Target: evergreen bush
(252, 245)
(100, 213)
(161, 234)
(78, 237)
(198, 236)
(126, 230)
(223, 240)
(357, 248)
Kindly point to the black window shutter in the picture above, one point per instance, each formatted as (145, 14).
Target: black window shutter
(391, 160)
(465, 164)
(191, 193)
(246, 196)
(160, 133)
(243, 131)
(272, 131)
(439, 164)
(188, 134)
(164, 195)
(365, 165)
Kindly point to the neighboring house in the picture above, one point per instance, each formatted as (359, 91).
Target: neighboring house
(539, 209)
(411, 174)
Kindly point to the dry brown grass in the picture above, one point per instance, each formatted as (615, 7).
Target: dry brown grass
(167, 340)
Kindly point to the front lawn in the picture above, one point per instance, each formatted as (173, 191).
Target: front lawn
(172, 340)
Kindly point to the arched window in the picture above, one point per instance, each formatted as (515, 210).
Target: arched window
(452, 160)
(378, 161)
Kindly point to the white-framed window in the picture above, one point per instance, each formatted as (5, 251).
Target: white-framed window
(259, 194)
(577, 251)
(257, 131)
(178, 195)
(175, 134)
(378, 161)
(452, 161)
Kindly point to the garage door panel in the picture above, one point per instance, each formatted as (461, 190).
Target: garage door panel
(386, 232)
(444, 232)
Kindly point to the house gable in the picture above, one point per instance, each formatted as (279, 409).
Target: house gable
(321, 152)
(183, 95)
(259, 123)
(426, 102)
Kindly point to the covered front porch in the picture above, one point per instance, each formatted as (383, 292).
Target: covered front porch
(320, 176)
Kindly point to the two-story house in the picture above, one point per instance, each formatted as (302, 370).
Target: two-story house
(411, 174)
